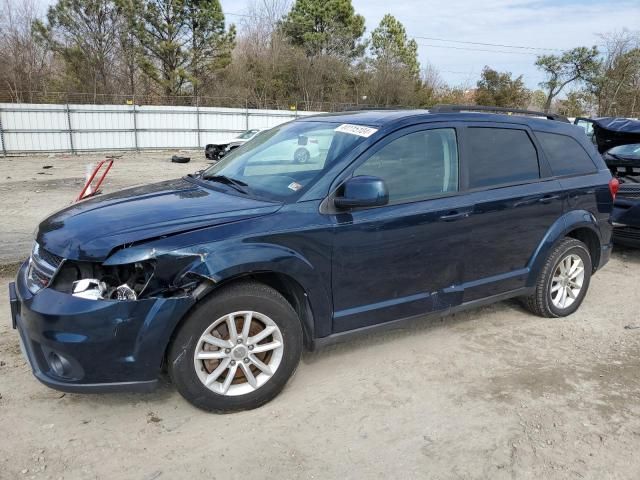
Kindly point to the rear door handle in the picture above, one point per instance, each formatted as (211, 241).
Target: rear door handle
(549, 198)
(454, 215)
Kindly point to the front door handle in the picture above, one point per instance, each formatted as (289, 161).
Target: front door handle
(549, 198)
(454, 215)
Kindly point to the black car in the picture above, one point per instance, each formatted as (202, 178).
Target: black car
(224, 277)
(215, 151)
(618, 140)
(624, 159)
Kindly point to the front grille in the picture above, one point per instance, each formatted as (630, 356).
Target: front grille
(630, 191)
(50, 258)
(42, 268)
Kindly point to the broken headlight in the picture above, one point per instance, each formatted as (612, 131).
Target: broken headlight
(94, 281)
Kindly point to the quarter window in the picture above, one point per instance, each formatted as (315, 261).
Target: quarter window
(566, 156)
(500, 156)
(417, 165)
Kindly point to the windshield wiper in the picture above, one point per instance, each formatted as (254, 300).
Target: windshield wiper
(236, 184)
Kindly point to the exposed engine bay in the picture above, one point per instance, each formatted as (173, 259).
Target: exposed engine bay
(94, 281)
(97, 282)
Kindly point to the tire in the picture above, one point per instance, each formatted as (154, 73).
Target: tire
(545, 302)
(301, 155)
(262, 303)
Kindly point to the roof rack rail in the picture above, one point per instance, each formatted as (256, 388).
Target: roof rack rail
(481, 108)
(358, 108)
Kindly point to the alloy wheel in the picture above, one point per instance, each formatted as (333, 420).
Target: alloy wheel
(567, 281)
(238, 353)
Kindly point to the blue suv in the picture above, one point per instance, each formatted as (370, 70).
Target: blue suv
(223, 277)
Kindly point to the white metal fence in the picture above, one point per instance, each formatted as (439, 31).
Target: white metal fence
(44, 128)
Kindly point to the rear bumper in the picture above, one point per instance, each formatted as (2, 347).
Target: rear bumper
(88, 346)
(627, 236)
(626, 221)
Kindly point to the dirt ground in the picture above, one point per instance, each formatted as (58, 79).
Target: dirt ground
(33, 187)
(495, 393)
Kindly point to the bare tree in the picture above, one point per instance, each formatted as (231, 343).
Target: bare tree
(26, 65)
(617, 87)
(263, 17)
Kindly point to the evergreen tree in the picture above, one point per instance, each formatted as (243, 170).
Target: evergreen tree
(85, 34)
(498, 89)
(325, 27)
(181, 39)
(389, 44)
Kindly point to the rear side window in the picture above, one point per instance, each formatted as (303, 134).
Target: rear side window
(500, 156)
(566, 156)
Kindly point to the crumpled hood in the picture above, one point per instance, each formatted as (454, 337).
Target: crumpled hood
(91, 229)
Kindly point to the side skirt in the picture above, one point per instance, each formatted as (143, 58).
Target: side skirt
(341, 337)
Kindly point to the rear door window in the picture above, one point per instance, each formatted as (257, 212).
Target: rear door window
(566, 156)
(499, 156)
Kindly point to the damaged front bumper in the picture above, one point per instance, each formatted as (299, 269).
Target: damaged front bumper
(215, 151)
(79, 345)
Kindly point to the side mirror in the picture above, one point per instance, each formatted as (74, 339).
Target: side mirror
(362, 191)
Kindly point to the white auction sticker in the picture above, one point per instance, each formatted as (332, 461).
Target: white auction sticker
(358, 130)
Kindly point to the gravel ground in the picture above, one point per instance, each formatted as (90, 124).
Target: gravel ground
(493, 393)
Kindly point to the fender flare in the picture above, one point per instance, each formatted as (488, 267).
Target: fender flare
(561, 228)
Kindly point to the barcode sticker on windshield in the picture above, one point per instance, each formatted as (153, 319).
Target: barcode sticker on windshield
(358, 130)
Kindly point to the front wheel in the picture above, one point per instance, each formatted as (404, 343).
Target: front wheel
(563, 281)
(237, 349)
(301, 155)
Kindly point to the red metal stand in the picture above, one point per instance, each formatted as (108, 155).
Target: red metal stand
(83, 193)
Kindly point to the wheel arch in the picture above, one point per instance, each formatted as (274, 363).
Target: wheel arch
(591, 239)
(284, 284)
(579, 224)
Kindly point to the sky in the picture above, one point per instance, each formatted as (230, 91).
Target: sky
(535, 24)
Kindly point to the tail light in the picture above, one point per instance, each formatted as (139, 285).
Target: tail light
(614, 186)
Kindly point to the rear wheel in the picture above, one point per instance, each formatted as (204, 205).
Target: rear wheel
(237, 349)
(563, 281)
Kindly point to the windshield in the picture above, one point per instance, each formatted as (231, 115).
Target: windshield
(628, 151)
(247, 135)
(282, 162)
